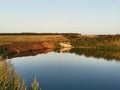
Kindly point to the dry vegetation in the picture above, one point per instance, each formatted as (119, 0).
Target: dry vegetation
(77, 40)
(10, 80)
(90, 36)
(31, 38)
(95, 41)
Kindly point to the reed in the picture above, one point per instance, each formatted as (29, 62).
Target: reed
(10, 80)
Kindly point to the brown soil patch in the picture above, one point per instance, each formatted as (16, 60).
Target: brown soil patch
(20, 47)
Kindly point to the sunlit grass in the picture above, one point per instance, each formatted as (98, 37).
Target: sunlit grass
(10, 80)
(30, 38)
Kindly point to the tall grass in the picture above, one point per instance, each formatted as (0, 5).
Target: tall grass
(98, 41)
(9, 80)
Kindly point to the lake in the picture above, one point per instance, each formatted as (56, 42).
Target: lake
(71, 70)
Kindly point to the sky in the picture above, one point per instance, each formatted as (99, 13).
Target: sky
(60, 16)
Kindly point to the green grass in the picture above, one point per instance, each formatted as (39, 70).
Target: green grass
(96, 41)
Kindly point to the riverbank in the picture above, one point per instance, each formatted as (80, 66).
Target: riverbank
(20, 43)
(21, 47)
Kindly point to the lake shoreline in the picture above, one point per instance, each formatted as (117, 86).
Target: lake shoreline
(20, 43)
(21, 47)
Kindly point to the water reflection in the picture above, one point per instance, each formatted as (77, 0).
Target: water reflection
(66, 71)
(24, 54)
(107, 54)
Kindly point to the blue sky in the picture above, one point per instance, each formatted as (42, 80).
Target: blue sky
(76, 16)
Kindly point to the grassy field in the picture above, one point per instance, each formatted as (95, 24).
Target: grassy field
(31, 38)
(95, 41)
(76, 40)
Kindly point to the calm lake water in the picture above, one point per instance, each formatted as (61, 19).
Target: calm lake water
(69, 71)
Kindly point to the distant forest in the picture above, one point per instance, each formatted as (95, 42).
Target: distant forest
(27, 33)
(40, 34)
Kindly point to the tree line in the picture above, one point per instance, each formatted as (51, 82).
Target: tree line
(39, 34)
